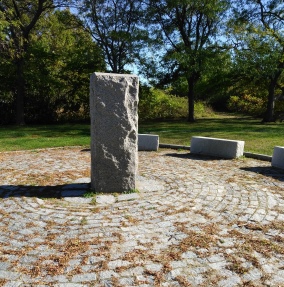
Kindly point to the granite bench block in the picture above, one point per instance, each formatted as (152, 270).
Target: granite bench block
(148, 142)
(278, 157)
(217, 147)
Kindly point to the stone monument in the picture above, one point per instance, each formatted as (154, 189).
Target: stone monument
(114, 132)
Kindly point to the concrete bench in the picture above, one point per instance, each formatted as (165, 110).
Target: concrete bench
(217, 147)
(148, 142)
(278, 157)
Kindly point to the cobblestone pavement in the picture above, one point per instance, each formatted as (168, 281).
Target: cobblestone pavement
(204, 222)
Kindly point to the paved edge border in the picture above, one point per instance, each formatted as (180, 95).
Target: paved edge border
(174, 146)
(258, 156)
(161, 145)
(246, 154)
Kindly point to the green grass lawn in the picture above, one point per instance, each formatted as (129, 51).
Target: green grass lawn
(259, 138)
(43, 136)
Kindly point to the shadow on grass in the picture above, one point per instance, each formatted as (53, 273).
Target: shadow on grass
(267, 171)
(195, 156)
(57, 191)
(45, 131)
(222, 125)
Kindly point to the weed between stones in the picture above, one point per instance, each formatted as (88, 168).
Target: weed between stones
(84, 221)
(131, 191)
(89, 194)
(93, 193)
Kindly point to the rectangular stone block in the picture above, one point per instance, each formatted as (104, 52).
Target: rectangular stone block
(278, 157)
(114, 128)
(148, 142)
(217, 147)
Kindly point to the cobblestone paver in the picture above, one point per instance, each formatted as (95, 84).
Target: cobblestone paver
(208, 222)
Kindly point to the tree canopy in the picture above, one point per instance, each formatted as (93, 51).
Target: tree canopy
(257, 27)
(45, 53)
(187, 31)
(227, 53)
(19, 19)
(116, 27)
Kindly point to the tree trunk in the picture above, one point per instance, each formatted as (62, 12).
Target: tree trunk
(20, 93)
(190, 98)
(269, 114)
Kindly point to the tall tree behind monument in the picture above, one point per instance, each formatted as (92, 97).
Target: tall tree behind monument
(257, 29)
(188, 32)
(115, 26)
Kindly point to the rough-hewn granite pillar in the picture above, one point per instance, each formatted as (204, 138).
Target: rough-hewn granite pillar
(114, 124)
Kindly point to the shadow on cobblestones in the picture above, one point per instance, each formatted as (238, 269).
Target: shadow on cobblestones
(273, 172)
(193, 156)
(57, 191)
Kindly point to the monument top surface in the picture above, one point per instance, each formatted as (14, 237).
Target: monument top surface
(114, 74)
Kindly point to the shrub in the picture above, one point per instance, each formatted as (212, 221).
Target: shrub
(159, 104)
(202, 110)
(251, 105)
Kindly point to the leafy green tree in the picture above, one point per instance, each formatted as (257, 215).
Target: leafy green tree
(215, 83)
(7, 72)
(58, 61)
(17, 21)
(115, 26)
(187, 31)
(7, 80)
(259, 39)
(62, 55)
